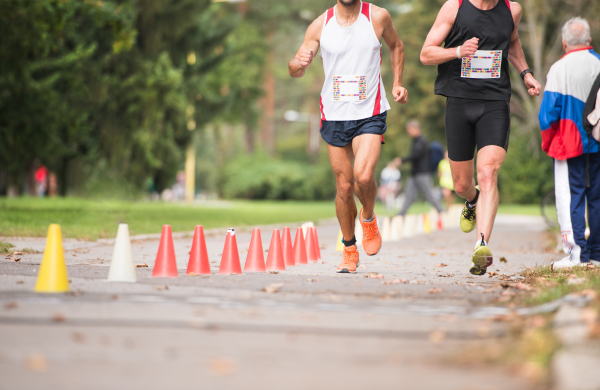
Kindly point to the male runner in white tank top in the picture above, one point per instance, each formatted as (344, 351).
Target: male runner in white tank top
(353, 108)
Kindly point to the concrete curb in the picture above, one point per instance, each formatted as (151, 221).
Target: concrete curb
(575, 366)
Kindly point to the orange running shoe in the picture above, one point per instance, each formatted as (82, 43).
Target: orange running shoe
(371, 238)
(350, 261)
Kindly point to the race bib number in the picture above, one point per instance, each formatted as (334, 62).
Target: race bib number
(484, 64)
(349, 88)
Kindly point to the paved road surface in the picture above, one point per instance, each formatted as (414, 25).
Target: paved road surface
(320, 330)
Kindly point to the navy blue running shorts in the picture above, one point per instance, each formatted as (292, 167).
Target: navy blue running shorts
(341, 133)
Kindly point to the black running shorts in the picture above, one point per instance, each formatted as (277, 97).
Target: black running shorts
(341, 133)
(471, 123)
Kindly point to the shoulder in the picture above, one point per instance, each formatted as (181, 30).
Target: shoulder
(316, 26)
(516, 10)
(380, 15)
(449, 11)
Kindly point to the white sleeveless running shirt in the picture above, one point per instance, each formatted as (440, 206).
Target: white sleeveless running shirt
(351, 56)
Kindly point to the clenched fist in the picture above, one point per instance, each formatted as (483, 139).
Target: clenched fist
(469, 47)
(400, 94)
(305, 58)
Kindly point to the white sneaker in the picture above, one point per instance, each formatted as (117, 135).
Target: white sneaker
(564, 263)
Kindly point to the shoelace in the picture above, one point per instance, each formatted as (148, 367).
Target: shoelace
(349, 257)
(468, 213)
(370, 231)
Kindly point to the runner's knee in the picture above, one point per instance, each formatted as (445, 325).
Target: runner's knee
(345, 188)
(487, 176)
(363, 179)
(462, 186)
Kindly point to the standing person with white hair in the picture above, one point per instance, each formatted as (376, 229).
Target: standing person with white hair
(575, 154)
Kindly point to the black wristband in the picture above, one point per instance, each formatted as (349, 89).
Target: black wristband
(523, 73)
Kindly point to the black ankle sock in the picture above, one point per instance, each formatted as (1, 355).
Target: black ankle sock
(349, 242)
(473, 203)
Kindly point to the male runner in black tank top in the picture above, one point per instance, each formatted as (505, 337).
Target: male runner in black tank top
(480, 37)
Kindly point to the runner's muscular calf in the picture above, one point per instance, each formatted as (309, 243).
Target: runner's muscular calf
(490, 158)
(354, 165)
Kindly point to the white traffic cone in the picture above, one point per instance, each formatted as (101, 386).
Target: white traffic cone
(397, 228)
(385, 229)
(121, 265)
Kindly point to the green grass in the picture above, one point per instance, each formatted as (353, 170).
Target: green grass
(549, 285)
(5, 247)
(91, 219)
(80, 218)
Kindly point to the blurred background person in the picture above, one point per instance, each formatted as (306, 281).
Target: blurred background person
(41, 177)
(445, 176)
(389, 183)
(576, 157)
(420, 179)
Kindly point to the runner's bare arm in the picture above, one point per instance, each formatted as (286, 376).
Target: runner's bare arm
(382, 18)
(309, 48)
(432, 52)
(516, 55)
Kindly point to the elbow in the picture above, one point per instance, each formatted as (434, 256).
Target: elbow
(424, 59)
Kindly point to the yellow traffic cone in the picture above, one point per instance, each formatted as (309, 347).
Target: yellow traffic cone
(52, 277)
(426, 224)
(340, 245)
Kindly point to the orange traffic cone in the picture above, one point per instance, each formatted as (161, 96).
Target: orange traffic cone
(198, 263)
(230, 261)
(165, 265)
(287, 247)
(255, 261)
(311, 245)
(275, 261)
(300, 256)
(317, 241)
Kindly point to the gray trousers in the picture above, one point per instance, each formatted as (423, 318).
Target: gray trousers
(423, 183)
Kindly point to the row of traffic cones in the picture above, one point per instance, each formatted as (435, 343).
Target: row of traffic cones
(52, 276)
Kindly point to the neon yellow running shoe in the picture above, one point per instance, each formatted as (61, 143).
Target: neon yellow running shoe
(468, 217)
(482, 258)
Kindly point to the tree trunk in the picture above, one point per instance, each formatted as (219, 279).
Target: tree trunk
(268, 127)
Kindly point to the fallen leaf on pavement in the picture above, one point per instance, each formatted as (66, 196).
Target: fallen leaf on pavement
(362, 266)
(311, 280)
(11, 305)
(273, 272)
(375, 275)
(36, 362)
(523, 286)
(395, 281)
(20, 281)
(273, 288)
(142, 265)
(433, 254)
(160, 288)
(15, 259)
(58, 317)
(18, 253)
(587, 293)
(493, 274)
(434, 291)
(222, 366)
(441, 265)
(414, 282)
(503, 260)
(437, 336)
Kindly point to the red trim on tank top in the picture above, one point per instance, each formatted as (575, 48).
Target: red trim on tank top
(377, 109)
(459, 3)
(322, 113)
(507, 3)
(365, 10)
(580, 49)
(329, 15)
